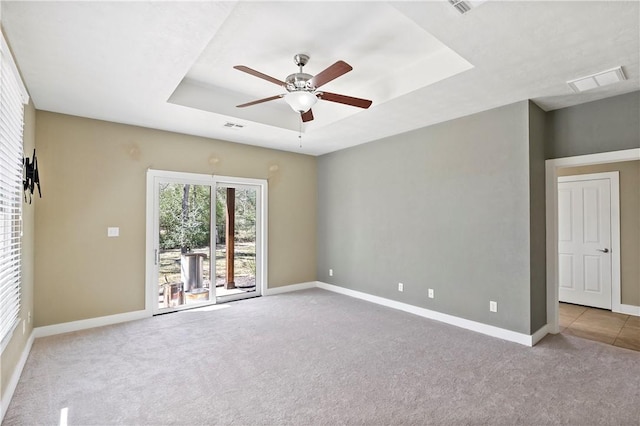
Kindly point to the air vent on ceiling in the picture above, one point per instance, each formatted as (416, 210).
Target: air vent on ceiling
(463, 6)
(233, 125)
(460, 5)
(600, 79)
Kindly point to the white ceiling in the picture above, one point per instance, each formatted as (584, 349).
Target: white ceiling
(168, 65)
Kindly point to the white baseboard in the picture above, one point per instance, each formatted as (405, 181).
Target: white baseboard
(288, 288)
(538, 335)
(15, 376)
(67, 327)
(512, 336)
(501, 333)
(628, 309)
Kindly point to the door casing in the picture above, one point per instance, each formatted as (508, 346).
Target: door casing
(551, 179)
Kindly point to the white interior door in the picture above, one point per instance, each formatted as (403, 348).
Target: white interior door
(584, 241)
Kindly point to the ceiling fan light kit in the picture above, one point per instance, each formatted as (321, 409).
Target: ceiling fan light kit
(300, 101)
(301, 87)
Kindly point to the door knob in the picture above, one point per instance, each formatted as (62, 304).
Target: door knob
(606, 250)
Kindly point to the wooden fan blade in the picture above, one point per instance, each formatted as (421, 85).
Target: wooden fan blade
(331, 73)
(307, 116)
(347, 100)
(259, 75)
(259, 101)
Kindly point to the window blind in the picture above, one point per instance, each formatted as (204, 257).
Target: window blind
(13, 96)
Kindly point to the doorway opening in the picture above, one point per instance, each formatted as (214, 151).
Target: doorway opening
(553, 168)
(206, 240)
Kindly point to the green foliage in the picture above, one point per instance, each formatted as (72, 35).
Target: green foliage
(221, 197)
(184, 216)
(245, 211)
(245, 215)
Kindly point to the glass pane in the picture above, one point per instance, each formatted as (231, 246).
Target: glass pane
(184, 257)
(235, 241)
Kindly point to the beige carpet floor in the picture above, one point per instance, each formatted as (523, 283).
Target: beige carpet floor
(317, 358)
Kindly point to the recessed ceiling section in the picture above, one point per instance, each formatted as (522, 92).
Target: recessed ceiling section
(390, 54)
(219, 100)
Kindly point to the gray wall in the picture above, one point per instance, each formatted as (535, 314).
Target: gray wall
(610, 124)
(444, 207)
(537, 226)
(606, 125)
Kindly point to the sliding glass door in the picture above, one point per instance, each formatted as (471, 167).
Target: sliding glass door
(205, 240)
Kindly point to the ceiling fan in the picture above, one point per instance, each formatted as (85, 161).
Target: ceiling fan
(302, 88)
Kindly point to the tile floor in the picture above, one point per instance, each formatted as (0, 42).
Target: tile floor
(600, 325)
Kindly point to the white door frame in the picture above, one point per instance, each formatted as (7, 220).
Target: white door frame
(551, 178)
(151, 225)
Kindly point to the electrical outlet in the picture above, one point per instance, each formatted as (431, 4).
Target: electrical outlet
(400, 287)
(330, 272)
(29, 317)
(431, 293)
(493, 306)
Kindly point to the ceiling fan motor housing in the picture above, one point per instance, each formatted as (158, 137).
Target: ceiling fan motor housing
(299, 81)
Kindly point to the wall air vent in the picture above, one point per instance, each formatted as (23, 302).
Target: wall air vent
(233, 125)
(594, 81)
(463, 6)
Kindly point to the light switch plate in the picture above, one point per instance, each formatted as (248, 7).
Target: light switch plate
(113, 232)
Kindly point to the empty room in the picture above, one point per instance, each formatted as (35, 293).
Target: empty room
(319, 213)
